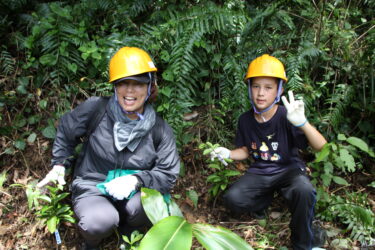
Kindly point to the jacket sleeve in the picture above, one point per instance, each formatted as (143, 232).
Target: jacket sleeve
(72, 126)
(163, 175)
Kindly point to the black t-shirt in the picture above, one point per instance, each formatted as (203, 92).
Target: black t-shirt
(273, 144)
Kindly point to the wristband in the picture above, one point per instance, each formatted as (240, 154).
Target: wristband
(139, 184)
(300, 125)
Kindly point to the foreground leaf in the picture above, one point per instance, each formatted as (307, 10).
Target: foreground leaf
(174, 209)
(154, 205)
(171, 233)
(217, 238)
(322, 154)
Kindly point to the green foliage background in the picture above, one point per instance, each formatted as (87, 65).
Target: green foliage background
(55, 54)
(52, 52)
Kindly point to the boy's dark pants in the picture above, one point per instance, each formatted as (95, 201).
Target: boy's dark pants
(253, 193)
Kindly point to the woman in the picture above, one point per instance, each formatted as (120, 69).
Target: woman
(131, 147)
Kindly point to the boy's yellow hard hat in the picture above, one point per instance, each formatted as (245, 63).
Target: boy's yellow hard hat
(266, 65)
(130, 61)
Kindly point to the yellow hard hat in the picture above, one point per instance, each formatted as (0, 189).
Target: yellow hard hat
(266, 65)
(130, 61)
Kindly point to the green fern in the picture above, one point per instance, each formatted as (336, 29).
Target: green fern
(338, 103)
(7, 63)
(295, 81)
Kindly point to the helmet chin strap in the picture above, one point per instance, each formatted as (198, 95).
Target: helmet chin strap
(277, 99)
(140, 116)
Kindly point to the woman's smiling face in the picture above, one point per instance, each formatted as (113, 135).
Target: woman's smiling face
(131, 96)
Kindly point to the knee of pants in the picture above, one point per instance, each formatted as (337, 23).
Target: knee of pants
(233, 197)
(136, 217)
(306, 192)
(132, 212)
(98, 223)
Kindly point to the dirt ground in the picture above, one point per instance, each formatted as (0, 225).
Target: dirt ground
(20, 229)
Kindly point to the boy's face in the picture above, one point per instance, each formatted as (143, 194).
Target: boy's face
(263, 91)
(131, 95)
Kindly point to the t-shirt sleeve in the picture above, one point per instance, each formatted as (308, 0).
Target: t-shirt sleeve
(299, 138)
(240, 137)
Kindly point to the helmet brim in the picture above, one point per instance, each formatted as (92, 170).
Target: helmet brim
(143, 78)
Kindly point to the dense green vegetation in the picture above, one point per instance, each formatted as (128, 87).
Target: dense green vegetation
(55, 54)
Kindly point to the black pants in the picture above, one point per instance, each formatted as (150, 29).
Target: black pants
(253, 193)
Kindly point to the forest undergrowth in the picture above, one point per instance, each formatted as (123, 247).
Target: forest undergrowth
(55, 54)
(21, 229)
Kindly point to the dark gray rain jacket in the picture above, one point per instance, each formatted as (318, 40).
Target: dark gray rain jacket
(159, 166)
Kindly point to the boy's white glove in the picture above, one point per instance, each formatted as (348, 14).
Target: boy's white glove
(295, 109)
(56, 174)
(220, 153)
(121, 187)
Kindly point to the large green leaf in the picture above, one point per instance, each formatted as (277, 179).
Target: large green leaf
(323, 153)
(171, 233)
(359, 143)
(154, 205)
(217, 238)
(339, 180)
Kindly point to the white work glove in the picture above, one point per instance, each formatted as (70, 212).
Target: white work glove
(56, 174)
(121, 187)
(295, 109)
(221, 153)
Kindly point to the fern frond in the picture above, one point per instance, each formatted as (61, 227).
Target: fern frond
(7, 63)
(139, 6)
(338, 103)
(295, 82)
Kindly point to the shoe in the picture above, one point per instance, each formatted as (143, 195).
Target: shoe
(319, 234)
(258, 215)
(86, 246)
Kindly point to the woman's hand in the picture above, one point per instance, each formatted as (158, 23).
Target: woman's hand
(56, 174)
(121, 187)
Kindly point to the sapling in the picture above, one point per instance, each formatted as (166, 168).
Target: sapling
(53, 211)
(48, 207)
(133, 242)
(223, 172)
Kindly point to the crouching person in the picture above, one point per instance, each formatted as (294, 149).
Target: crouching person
(131, 147)
(272, 135)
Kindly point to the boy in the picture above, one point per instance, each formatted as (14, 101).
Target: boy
(272, 135)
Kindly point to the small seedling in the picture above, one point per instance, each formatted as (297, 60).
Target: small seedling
(221, 177)
(133, 242)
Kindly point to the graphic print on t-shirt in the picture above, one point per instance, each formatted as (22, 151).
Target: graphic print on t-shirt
(269, 137)
(264, 153)
(282, 142)
(274, 145)
(275, 157)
